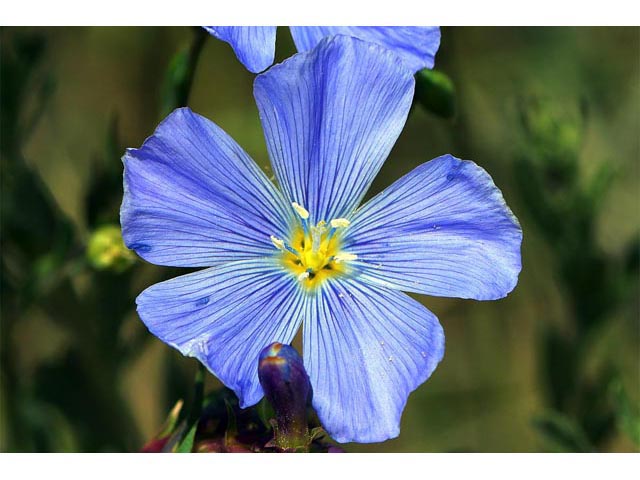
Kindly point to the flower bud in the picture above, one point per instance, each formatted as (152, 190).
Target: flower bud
(286, 385)
(106, 249)
(436, 93)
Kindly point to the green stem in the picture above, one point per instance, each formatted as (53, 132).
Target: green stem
(186, 444)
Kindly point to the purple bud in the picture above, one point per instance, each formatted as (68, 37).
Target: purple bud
(286, 385)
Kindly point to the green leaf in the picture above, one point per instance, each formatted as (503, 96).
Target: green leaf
(179, 76)
(21, 60)
(172, 420)
(627, 413)
(186, 444)
(436, 93)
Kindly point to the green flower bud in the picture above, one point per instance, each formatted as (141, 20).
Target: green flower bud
(106, 250)
(436, 93)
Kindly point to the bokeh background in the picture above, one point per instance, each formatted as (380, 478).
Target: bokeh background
(553, 114)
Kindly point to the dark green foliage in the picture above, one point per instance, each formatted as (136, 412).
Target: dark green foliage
(565, 209)
(562, 434)
(42, 252)
(105, 181)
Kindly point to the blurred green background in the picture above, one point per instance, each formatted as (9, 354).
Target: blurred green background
(553, 114)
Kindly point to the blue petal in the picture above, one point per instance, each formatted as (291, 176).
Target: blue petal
(330, 118)
(193, 197)
(417, 46)
(443, 229)
(366, 348)
(224, 316)
(255, 47)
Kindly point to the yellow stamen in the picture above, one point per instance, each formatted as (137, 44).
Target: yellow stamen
(279, 244)
(340, 223)
(313, 252)
(300, 210)
(345, 257)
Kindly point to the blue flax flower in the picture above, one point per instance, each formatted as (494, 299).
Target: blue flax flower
(255, 46)
(306, 254)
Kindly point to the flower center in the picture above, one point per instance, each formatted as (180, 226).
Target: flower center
(314, 253)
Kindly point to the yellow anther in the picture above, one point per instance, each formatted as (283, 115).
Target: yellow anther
(303, 276)
(340, 223)
(277, 242)
(344, 257)
(300, 210)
